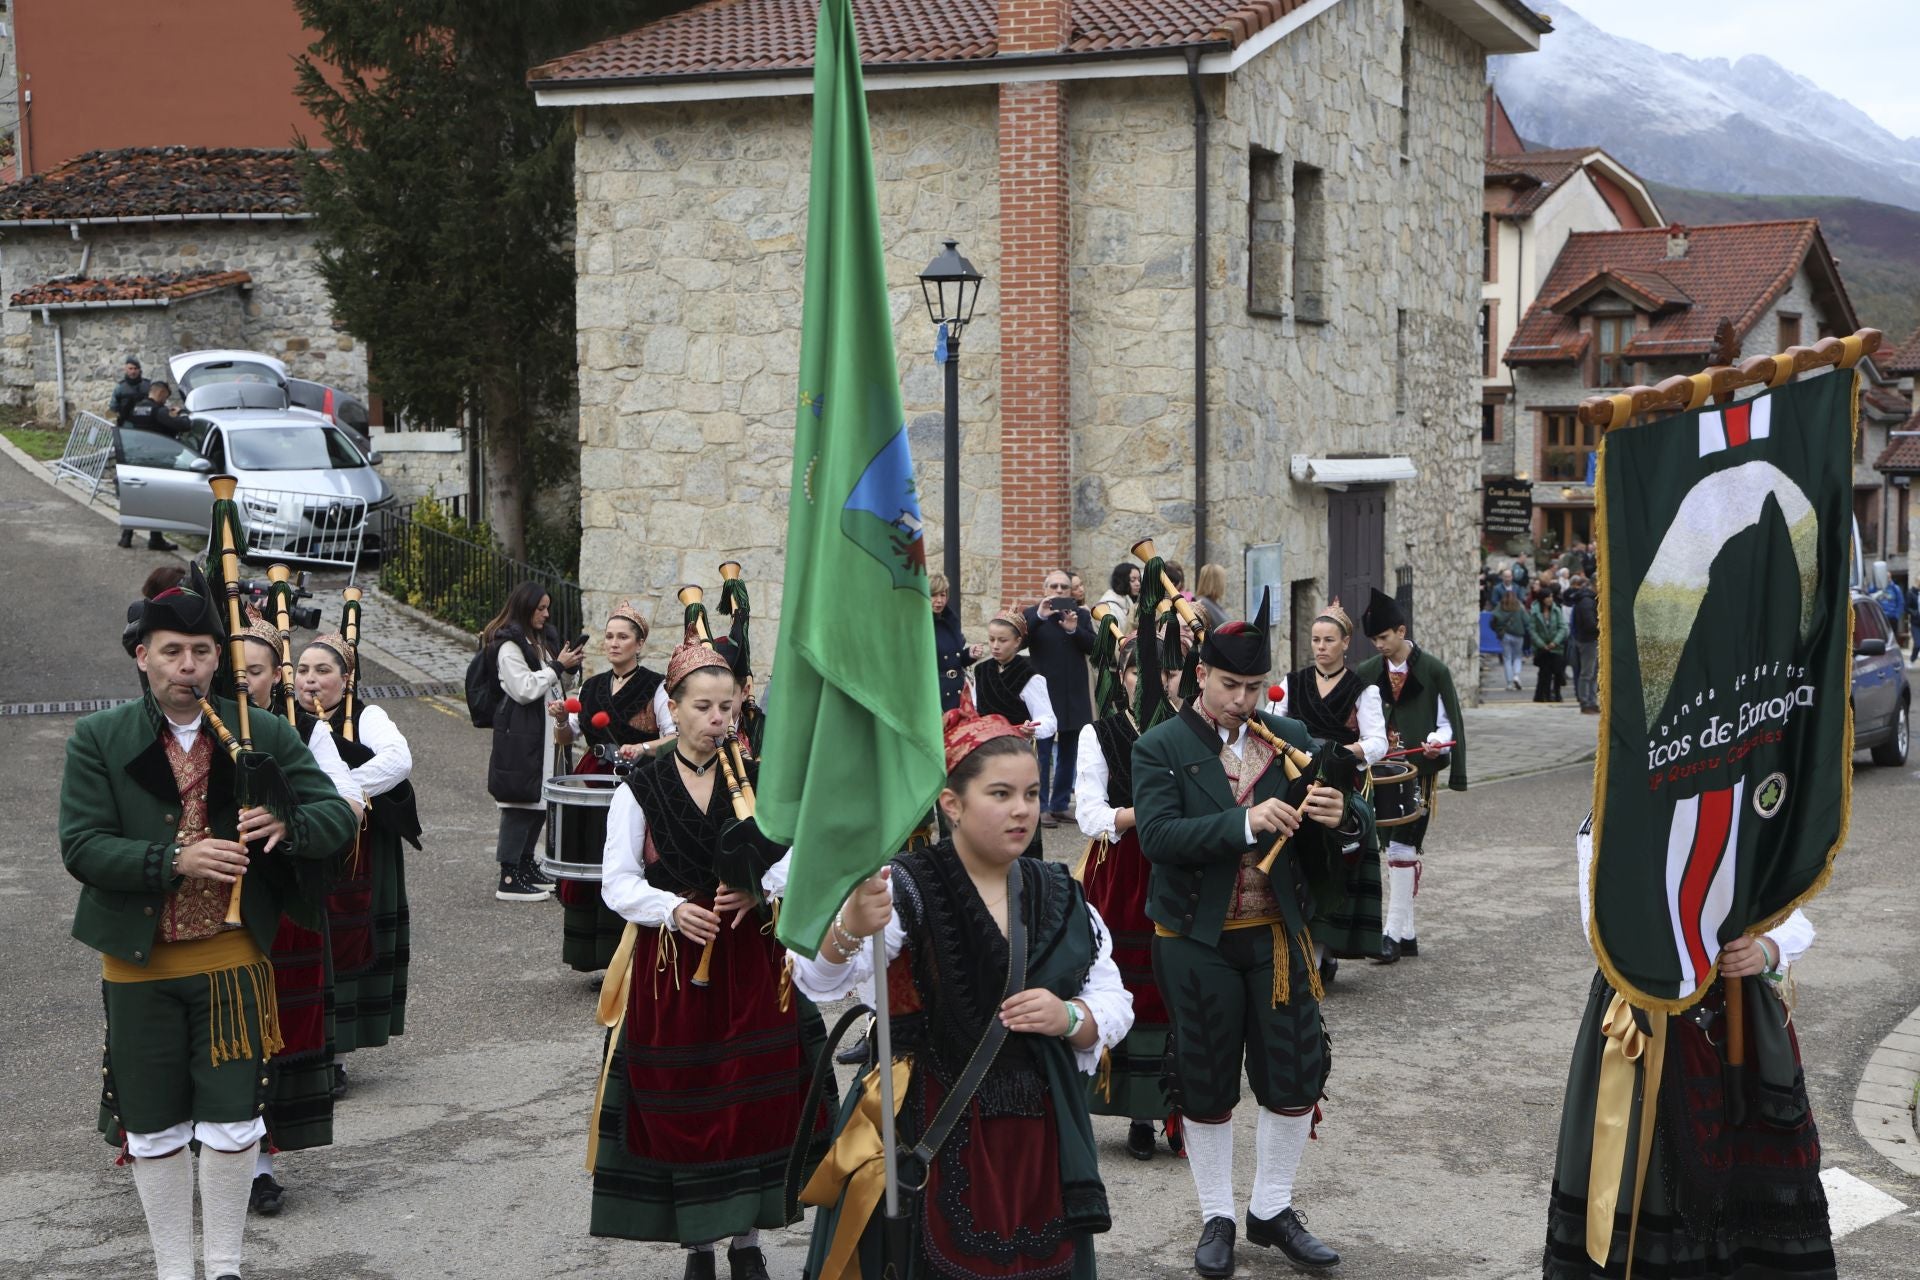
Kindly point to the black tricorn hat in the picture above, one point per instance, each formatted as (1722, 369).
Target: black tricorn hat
(1382, 614)
(1239, 647)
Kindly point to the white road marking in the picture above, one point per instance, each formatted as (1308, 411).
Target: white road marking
(1853, 1203)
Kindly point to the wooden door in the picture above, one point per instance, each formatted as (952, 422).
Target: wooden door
(1356, 555)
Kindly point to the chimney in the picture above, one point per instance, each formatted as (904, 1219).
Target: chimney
(1035, 26)
(1676, 242)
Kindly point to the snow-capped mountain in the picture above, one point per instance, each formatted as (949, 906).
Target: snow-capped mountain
(1746, 126)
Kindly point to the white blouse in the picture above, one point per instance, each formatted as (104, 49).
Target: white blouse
(327, 756)
(1792, 936)
(623, 878)
(392, 761)
(1090, 776)
(1373, 721)
(1103, 993)
(522, 683)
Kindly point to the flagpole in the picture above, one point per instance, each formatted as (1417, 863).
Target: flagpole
(883, 1040)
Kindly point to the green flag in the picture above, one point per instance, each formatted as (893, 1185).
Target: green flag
(1725, 657)
(854, 755)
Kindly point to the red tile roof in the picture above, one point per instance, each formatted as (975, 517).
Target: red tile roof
(770, 37)
(1885, 401)
(1732, 270)
(1902, 454)
(71, 291)
(1903, 359)
(158, 182)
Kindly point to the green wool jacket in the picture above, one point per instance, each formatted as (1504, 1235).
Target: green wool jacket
(1429, 687)
(119, 806)
(1194, 833)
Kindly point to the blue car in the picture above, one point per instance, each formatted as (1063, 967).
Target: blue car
(1880, 694)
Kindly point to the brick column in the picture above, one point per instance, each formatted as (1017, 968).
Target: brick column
(1035, 502)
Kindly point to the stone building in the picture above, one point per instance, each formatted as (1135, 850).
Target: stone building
(1326, 246)
(1897, 459)
(1629, 307)
(1534, 201)
(155, 250)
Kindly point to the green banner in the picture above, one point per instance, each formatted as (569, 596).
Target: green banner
(1726, 737)
(854, 755)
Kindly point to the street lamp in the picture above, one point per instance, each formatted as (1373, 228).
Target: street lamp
(951, 287)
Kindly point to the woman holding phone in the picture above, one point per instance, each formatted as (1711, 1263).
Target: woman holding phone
(529, 676)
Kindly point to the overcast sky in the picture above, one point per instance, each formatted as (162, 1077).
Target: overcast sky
(1871, 57)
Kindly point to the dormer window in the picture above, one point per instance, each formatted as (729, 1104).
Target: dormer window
(1611, 334)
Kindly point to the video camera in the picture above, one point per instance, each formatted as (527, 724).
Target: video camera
(254, 592)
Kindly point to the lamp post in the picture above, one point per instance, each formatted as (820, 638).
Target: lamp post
(951, 287)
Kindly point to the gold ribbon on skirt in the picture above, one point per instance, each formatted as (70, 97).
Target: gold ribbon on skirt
(611, 1013)
(854, 1173)
(1629, 1056)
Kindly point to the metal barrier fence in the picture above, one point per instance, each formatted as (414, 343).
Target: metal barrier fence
(89, 450)
(465, 582)
(312, 528)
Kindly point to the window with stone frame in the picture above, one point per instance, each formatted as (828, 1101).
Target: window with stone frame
(1309, 245)
(1564, 445)
(1565, 526)
(1266, 234)
(1866, 517)
(1611, 334)
(1789, 330)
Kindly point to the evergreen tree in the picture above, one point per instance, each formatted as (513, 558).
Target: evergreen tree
(444, 205)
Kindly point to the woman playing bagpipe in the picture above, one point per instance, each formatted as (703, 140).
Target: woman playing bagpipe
(367, 912)
(1732, 1187)
(622, 711)
(1114, 873)
(299, 1111)
(992, 958)
(709, 1061)
(1338, 706)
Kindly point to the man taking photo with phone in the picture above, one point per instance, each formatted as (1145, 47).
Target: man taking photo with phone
(1059, 639)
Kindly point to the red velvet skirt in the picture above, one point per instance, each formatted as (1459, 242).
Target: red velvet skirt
(1117, 888)
(986, 1214)
(350, 911)
(300, 980)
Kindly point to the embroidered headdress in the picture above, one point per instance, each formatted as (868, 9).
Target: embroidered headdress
(967, 731)
(689, 658)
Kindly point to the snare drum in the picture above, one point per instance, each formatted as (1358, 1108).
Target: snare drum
(576, 823)
(1396, 794)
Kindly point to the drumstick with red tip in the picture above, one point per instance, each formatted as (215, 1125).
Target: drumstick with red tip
(1419, 750)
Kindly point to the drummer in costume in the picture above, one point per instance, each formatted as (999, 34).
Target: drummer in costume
(1006, 685)
(705, 1084)
(1728, 1198)
(1422, 711)
(300, 1101)
(150, 828)
(370, 924)
(623, 712)
(1336, 705)
(1115, 877)
(1232, 950)
(993, 954)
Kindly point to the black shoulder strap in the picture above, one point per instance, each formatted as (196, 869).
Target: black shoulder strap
(984, 1053)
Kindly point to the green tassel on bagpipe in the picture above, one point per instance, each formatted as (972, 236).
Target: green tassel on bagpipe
(1184, 655)
(734, 603)
(1109, 694)
(697, 622)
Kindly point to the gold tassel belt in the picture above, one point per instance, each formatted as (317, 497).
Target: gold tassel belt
(1282, 960)
(1627, 1053)
(233, 965)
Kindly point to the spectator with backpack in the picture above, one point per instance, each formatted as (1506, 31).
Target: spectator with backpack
(508, 684)
(1585, 625)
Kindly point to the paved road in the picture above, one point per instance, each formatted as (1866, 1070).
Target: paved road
(458, 1152)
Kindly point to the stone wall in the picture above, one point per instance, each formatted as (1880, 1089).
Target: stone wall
(691, 231)
(94, 344)
(286, 313)
(416, 463)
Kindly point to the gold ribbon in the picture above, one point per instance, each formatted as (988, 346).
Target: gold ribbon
(854, 1173)
(611, 1013)
(1629, 1056)
(1091, 860)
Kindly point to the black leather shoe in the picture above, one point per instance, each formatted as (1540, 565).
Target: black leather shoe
(1213, 1257)
(746, 1264)
(853, 1053)
(156, 542)
(1140, 1140)
(1389, 951)
(126, 538)
(267, 1195)
(1409, 946)
(1287, 1232)
(699, 1265)
(1329, 970)
(339, 1089)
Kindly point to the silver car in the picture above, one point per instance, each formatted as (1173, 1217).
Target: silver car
(305, 490)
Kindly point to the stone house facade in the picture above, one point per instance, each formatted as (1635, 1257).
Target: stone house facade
(1534, 201)
(1334, 267)
(1622, 308)
(103, 256)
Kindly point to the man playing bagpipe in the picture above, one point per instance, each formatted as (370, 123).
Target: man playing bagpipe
(1423, 711)
(183, 887)
(1233, 813)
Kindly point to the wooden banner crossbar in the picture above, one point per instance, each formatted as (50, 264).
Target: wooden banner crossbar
(1682, 394)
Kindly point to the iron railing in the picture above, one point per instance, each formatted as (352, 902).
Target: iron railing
(462, 581)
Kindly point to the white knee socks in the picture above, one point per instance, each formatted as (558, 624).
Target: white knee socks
(1282, 1140)
(1210, 1156)
(226, 1179)
(166, 1193)
(1401, 870)
(263, 1163)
